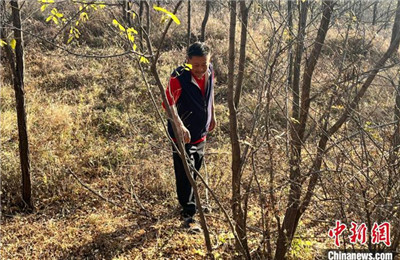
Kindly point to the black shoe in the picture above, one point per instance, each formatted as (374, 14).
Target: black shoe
(187, 219)
(190, 224)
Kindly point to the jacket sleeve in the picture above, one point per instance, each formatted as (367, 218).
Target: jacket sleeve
(173, 91)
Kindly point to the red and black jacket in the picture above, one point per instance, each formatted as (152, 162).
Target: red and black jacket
(194, 109)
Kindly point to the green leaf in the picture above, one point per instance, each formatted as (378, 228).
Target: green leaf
(2, 43)
(13, 43)
(173, 17)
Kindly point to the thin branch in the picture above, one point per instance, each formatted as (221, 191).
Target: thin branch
(107, 199)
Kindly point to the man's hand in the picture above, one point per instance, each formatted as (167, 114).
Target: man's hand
(185, 134)
(213, 123)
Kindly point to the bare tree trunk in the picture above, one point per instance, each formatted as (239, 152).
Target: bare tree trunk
(374, 14)
(393, 155)
(148, 29)
(244, 13)
(189, 10)
(290, 68)
(292, 214)
(205, 20)
(238, 213)
(284, 236)
(18, 79)
(140, 27)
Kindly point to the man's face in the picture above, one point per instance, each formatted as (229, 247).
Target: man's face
(199, 65)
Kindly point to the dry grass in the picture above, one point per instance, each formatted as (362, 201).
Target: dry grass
(95, 118)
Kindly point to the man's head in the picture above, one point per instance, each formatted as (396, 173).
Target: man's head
(198, 54)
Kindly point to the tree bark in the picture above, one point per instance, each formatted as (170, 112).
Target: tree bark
(238, 213)
(374, 14)
(292, 215)
(189, 10)
(284, 235)
(18, 70)
(244, 13)
(205, 20)
(393, 155)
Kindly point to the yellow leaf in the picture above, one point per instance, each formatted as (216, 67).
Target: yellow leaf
(55, 20)
(45, 179)
(294, 120)
(143, 60)
(199, 252)
(173, 17)
(49, 18)
(84, 16)
(134, 47)
(2, 43)
(13, 43)
(116, 23)
(132, 30)
(43, 7)
(70, 40)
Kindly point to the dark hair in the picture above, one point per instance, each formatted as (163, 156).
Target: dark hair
(198, 49)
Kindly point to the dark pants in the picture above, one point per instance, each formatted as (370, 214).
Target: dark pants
(184, 189)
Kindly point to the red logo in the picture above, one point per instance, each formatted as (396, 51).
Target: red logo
(337, 231)
(379, 233)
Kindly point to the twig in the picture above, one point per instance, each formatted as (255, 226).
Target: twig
(107, 199)
(133, 194)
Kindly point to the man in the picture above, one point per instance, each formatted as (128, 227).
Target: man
(191, 91)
